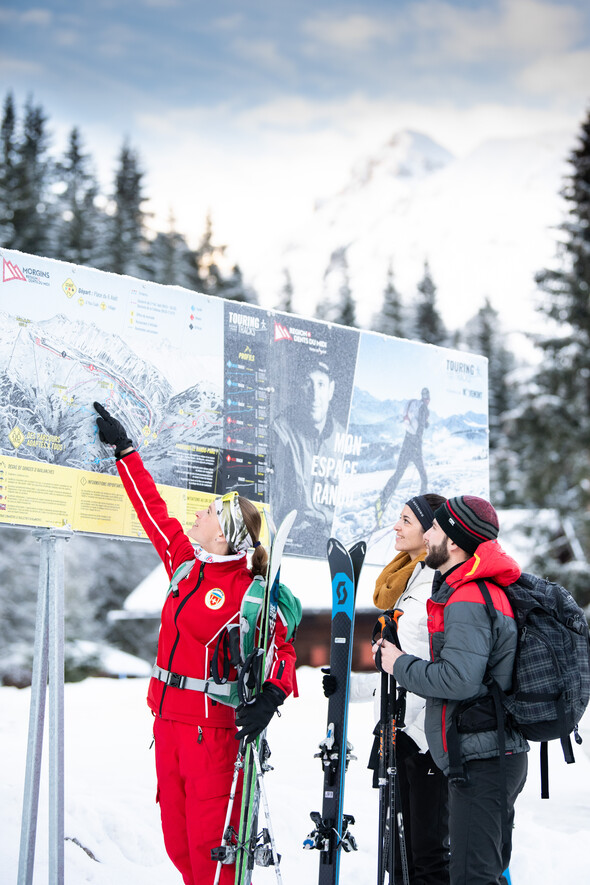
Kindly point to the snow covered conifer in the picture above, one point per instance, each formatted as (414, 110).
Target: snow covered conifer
(428, 323)
(337, 304)
(79, 224)
(286, 297)
(390, 319)
(555, 419)
(484, 335)
(30, 198)
(126, 237)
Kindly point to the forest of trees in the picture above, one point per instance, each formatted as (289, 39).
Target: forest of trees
(539, 416)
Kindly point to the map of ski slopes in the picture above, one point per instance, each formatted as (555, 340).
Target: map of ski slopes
(202, 386)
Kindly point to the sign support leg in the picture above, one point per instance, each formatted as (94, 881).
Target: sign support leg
(48, 662)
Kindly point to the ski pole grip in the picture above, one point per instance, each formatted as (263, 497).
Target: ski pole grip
(386, 628)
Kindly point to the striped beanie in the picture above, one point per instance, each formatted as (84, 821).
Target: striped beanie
(468, 521)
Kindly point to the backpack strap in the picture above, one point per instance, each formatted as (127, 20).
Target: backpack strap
(184, 569)
(227, 651)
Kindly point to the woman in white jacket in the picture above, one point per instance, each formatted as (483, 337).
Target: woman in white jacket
(406, 584)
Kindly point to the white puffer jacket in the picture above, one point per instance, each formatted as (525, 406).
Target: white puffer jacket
(413, 637)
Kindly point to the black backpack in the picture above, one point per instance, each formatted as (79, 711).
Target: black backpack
(551, 678)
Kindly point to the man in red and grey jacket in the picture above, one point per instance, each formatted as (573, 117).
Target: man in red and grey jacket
(464, 648)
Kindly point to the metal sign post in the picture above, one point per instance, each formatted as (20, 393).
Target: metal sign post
(48, 663)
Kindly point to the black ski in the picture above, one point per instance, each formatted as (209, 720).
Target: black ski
(391, 821)
(331, 828)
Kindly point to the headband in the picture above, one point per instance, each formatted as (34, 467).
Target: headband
(231, 520)
(422, 509)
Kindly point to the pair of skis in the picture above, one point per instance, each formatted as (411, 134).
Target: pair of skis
(248, 846)
(331, 834)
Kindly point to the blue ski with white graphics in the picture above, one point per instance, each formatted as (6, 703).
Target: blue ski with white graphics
(331, 833)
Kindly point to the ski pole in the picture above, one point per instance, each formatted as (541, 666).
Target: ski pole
(273, 845)
(393, 710)
(238, 765)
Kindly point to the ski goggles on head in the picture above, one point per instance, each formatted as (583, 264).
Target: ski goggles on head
(231, 520)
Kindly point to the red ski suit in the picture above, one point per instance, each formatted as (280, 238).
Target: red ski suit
(194, 737)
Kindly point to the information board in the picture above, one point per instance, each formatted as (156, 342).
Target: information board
(219, 395)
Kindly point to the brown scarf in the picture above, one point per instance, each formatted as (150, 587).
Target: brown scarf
(392, 581)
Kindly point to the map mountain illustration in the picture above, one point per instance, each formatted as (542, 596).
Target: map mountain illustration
(55, 369)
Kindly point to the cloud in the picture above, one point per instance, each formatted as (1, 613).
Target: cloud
(510, 28)
(40, 17)
(263, 53)
(565, 75)
(352, 33)
(17, 67)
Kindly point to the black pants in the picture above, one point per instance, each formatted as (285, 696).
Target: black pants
(410, 452)
(423, 789)
(479, 853)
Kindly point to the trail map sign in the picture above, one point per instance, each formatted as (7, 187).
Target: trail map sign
(218, 395)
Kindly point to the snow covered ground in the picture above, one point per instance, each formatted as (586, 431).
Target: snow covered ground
(110, 791)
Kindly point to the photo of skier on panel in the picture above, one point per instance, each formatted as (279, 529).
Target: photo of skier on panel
(415, 421)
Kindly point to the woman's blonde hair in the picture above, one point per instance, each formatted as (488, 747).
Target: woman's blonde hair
(253, 522)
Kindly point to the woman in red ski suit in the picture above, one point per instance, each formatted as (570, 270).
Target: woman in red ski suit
(195, 736)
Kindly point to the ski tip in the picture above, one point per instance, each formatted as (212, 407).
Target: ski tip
(334, 543)
(360, 547)
(270, 523)
(290, 518)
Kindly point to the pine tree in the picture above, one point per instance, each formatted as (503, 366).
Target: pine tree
(79, 224)
(484, 335)
(171, 261)
(234, 288)
(127, 241)
(209, 257)
(31, 201)
(554, 439)
(285, 303)
(8, 161)
(390, 319)
(428, 323)
(337, 304)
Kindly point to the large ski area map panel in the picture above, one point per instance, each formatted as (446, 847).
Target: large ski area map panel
(341, 424)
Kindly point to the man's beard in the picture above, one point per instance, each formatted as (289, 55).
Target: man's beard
(437, 556)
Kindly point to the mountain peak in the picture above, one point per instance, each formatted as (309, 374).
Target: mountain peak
(407, 154)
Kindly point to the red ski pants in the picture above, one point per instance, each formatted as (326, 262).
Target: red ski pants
(195, 766)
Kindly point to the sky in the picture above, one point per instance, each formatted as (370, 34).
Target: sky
(252, 110)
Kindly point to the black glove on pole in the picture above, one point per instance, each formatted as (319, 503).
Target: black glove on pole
(253, 717)
(329, 682)
(111, 431)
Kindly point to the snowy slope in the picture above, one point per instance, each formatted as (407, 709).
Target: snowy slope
(110, 791)
(485, 223)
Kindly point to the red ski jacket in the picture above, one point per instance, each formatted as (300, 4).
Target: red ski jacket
(208, 599)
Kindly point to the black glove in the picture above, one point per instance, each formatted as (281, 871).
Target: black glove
(329, 682)
(111, 431)
(253, 717)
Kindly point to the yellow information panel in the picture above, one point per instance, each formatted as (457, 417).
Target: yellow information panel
(50, 496)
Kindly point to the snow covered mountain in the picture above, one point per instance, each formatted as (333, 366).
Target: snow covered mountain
(485, 223)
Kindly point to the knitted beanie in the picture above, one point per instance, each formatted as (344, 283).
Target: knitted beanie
(468, 521)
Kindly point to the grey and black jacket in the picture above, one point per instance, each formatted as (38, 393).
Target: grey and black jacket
(464, 647)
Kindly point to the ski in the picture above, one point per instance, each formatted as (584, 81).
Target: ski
(251, 846)
(331, 832)
(391, 823)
